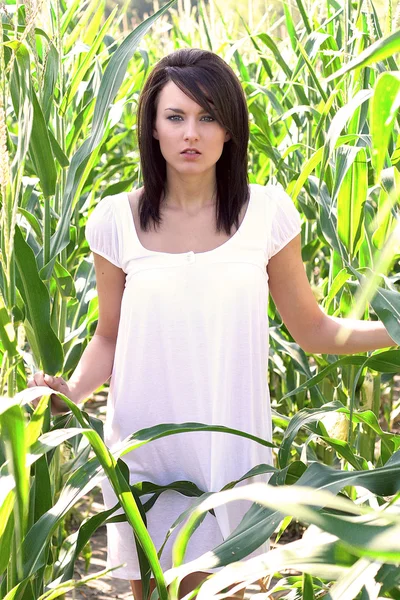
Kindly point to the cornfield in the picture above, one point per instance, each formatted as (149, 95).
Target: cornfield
(323, 90)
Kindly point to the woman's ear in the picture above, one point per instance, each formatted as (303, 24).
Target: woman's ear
(155, 133)
(227, 136)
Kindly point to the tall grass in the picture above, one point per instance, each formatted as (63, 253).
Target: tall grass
(323, 92)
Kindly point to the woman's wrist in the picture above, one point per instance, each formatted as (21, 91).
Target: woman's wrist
(73, 393)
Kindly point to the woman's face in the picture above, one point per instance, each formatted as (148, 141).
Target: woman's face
(182, 123)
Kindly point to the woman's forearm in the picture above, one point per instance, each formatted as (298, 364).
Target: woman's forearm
(336, 335)
(93, 369)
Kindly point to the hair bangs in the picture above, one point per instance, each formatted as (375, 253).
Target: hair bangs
(198, 87)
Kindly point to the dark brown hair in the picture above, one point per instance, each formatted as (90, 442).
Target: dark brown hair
(204, 77)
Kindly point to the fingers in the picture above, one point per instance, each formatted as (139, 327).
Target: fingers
(58, 384)
(41, 378)
(37, 379)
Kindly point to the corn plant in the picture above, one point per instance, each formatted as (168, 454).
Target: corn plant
(323, 96)
(29, 521)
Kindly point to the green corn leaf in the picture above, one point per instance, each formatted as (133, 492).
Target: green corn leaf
(62, 588)
(386, 304)
(68, 15)
(304, 16)
(290, 26)
(49, 84)
(362, 573)
(80, 23)
(307, 54)
(77, 541)
(337, 124)
(6, 529)
(378, 51)
(41, 150)
(7, 333)
(58, 152)
(299, 502)
(17, 592)
(13, 433)
(384, 362)
(37, 302)
(86, 64)
(337, 284)
(383, 110)
(308, 588)
(352, 191)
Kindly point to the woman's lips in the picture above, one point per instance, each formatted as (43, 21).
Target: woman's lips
(191, 155)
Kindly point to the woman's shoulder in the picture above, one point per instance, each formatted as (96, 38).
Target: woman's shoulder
(265, 189)
(265, 196)
(273, 194)
(107, 207)
(134, 195)
(133, 199)
(101, 230)
(136, 192)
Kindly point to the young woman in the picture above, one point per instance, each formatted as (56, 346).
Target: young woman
(184, 266)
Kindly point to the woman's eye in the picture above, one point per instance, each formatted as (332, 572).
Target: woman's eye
(173, 117)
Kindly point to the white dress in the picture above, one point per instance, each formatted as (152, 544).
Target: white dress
(192, 345)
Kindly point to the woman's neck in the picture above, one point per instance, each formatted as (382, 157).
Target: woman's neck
(188, 194)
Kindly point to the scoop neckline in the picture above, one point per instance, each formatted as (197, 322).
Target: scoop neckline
(190, 252)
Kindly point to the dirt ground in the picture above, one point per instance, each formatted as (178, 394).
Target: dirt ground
(101, 589)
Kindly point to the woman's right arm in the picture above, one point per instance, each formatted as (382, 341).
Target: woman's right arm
(96, 363)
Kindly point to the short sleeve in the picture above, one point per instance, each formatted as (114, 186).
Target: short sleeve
(102, 233)
(286, 220)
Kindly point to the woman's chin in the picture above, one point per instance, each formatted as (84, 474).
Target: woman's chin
(190, 167)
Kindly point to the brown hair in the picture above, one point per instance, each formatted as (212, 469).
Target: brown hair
(204, 77)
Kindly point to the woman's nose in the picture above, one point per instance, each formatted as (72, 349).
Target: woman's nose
(191, 131)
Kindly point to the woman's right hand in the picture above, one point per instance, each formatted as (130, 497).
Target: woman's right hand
(58, 384)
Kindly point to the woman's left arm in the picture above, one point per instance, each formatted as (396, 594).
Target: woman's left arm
(309, 326)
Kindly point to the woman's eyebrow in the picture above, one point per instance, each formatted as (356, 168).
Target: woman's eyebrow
(182, 112)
